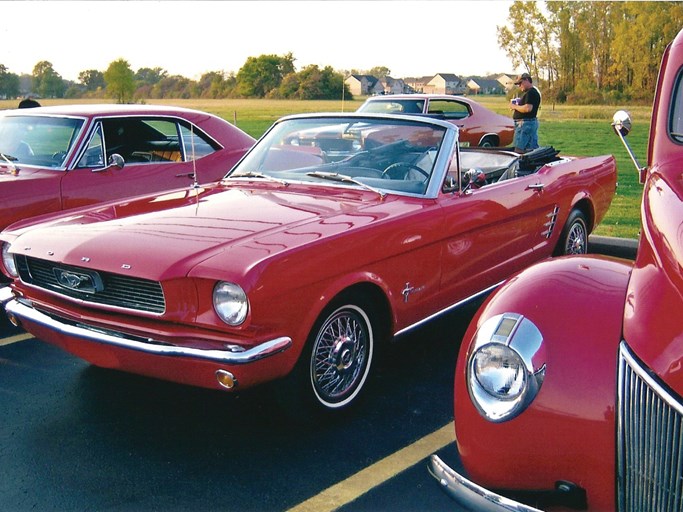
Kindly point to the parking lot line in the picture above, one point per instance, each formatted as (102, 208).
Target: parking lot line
(14, 339)
(356, 485)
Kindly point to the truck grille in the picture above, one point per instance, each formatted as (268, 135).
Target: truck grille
(650, 440)
(99, 288)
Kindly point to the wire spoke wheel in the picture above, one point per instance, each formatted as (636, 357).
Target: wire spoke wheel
(576, 239)
(574, 236)
(341, 356)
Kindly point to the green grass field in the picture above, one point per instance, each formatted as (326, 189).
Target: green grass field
(574, 130)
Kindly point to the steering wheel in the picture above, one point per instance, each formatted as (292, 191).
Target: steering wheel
(386, 173)
(59, 156)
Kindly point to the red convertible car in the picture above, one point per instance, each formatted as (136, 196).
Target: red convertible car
(478, 125)
(56, 158)
(569, 381)
(311, 252)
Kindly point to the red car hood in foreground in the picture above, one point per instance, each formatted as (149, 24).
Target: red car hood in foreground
(165, 236)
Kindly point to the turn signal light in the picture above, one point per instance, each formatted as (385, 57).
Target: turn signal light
(226, 379)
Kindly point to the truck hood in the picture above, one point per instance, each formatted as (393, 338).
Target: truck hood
(165, 236)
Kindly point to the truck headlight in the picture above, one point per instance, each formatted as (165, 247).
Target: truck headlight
(506, 367)
(499, 371)
(8, 260)
(230, 303)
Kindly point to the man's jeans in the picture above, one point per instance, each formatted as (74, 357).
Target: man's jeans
(526, 134)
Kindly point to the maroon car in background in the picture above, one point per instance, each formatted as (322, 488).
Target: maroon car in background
(478, 125)
(569, 380)
(56, 158)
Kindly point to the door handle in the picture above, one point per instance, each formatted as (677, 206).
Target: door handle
(535, 186)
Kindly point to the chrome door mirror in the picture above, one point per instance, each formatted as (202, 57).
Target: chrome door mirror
(115, 161)
(621, 123)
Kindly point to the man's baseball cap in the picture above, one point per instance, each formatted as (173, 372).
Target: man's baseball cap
(523, 76)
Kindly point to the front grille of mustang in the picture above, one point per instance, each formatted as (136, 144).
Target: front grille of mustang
(650, 447)
(115, 290)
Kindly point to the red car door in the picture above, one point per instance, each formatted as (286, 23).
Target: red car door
(493, 232)
(156, 158)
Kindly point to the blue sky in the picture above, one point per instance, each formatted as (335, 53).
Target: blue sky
(411, 38)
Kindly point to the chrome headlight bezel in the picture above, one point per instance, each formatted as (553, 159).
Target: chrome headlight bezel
(230, 303)
(506, 366)
(8, 262)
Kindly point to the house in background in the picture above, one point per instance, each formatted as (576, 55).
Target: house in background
(441, 83)
(508, 81)
(418, 84)
(446, 83)
(364, 85)
(395, 86)
(482, 85)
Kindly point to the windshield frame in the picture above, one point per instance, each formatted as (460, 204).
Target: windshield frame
(327, 173)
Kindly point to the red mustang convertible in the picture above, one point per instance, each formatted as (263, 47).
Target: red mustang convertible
(56, 158)
(569, 381)
(335, 233)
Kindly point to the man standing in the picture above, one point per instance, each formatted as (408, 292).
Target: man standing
(524, 114)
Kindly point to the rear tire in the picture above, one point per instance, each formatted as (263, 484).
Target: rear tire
(574, 236)
(488, 142)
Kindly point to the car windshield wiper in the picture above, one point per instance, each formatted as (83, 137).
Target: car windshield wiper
(252, 174)
(334, 176)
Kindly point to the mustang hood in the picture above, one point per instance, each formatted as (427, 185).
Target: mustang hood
(165, 236)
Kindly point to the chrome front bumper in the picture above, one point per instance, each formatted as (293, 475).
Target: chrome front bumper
(6, 295)
(232, 355)
(470, 495)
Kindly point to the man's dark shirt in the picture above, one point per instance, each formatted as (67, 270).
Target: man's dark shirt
(533, 97)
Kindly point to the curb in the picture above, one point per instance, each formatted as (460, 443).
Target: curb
(613, 246)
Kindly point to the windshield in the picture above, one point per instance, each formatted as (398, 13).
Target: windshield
(37, 140)
(385, 154)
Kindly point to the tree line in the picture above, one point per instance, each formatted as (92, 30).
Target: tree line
(591, 52)
(266, 76)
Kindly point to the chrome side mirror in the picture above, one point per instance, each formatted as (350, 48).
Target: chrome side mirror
(621, 124)
(115, 161)
(450, 184)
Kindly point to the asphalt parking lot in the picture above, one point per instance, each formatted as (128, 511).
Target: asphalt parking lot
(76, 437)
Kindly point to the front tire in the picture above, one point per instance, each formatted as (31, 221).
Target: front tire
(574, 236)
(334, 366)
(340, 356)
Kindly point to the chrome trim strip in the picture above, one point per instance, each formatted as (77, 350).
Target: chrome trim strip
(447, 309)
(636, 367)
(150, 346)
(470, 495)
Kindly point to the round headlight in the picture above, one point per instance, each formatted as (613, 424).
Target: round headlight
(230, 303)
(8, 260)
(499, 371)
(506, 367)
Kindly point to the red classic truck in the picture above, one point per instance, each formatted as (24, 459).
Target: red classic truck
(569, 381)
